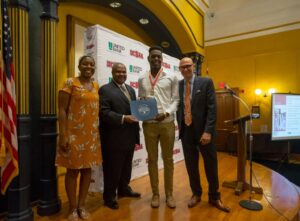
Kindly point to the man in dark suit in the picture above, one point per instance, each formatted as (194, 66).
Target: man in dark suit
(196, 118)
(119, 134)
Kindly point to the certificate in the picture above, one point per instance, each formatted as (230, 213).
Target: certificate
(144, 109)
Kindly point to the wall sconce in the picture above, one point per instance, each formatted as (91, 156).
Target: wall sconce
(265, 94)
(272, 90)
(257, 91)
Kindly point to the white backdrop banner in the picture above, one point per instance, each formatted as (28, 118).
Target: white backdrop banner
(107, 47)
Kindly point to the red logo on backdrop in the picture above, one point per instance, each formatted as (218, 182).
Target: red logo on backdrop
(166, 65)
(90, 46)
(136, 54)
(109, 64)
(176, 151)
(138, 147)
(134, 85)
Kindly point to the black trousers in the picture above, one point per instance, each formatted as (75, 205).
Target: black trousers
(191, 149)
(117, 167)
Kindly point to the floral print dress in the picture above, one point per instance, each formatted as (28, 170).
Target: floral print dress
(82, 127)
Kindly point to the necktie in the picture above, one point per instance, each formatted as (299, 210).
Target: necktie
(124, 90)
(187, 104)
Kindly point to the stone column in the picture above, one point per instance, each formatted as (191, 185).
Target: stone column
(18, 194)
(49, 202)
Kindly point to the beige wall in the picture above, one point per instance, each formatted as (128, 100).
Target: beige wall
(262, 62)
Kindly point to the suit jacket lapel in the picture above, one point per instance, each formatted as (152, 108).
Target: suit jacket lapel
(122, 95)
(195, 84)
(181, 95)
(181, 89)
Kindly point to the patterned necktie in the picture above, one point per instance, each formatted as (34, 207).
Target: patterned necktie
(124, 90)
(187, 104)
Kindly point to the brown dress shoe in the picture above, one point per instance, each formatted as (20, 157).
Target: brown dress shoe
(193, 201)
(219, 205)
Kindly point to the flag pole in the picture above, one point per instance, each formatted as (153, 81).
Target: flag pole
(2, 147)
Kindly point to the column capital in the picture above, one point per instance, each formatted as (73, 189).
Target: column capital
(22, 4)
(49, 9)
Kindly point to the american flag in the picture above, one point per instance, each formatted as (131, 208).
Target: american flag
(8, 116)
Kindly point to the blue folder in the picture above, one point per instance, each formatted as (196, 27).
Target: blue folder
(145, 109)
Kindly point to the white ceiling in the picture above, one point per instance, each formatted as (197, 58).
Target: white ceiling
(230, 20)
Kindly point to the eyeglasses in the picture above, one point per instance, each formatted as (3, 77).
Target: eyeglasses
(188, 66)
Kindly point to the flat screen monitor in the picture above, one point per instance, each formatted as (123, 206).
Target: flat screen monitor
(285, 116)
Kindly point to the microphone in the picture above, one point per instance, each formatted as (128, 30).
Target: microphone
(232, 92)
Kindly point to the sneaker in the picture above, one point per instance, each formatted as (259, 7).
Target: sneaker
(155, 201)
(73, 216)
(83, 213)
(171, 202)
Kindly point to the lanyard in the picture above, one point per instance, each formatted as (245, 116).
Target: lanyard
(154, 81)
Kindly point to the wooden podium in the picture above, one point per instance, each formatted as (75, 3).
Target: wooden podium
(240, 184)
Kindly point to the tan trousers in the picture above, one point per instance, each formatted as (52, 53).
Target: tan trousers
(163, 133)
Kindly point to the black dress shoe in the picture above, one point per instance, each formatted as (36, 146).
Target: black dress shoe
(129, 193)
(112, 204)
(219, 205)
(194, 201)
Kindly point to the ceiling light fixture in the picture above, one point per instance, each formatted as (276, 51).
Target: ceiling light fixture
(115, 4)
(165, 44)
(144, 21)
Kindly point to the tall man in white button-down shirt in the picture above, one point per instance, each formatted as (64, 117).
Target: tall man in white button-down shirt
(164, 88)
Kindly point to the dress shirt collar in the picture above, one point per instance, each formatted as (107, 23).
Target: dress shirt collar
(119, 85)
(191, 80)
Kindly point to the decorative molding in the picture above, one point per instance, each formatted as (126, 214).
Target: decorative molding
(205, 3)
(195, 7)
(71, 24)
(200, 44)
(202, 4)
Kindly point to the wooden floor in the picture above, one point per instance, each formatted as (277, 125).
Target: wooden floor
(280, 200)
